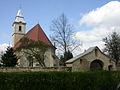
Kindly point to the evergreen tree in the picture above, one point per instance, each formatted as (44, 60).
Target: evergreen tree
(9, 59)
(67, 55)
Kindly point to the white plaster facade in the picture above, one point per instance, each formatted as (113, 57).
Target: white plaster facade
(50, 60)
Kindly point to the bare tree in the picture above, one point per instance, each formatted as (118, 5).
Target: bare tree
(62, 34)
(112, 46)
(33, 50)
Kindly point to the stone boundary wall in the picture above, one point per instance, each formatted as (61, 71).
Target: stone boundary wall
(37, 69)
(118, 67)
(34, 69)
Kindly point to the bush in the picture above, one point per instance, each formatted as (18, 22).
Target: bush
(103, 80)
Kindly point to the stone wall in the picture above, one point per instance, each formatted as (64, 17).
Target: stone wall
(34, 69)
(118, 67)
(82, 64)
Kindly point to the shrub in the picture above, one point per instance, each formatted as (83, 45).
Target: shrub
(103, 80)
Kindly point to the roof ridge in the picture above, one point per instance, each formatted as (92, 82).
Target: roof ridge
(29, 31)
(38, 31)
(90, 49)
(45, 35)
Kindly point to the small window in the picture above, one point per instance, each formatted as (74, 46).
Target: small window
(110, 67)
(96, 52)
(20, 28)
(80, 61)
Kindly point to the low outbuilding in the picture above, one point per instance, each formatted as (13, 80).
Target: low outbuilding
(92, 59)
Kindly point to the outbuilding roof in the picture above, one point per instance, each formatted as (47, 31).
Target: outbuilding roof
(82, 54)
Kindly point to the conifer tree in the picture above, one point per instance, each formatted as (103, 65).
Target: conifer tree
(67, 55)
(9, 59)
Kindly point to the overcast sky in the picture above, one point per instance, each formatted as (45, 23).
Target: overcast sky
(92, 19)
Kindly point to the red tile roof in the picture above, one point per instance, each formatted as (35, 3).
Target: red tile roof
(36, 34)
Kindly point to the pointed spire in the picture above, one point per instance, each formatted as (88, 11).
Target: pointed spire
(19, 17)
(19, 14)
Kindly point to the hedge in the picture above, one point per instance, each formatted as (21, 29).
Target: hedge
(102, 80)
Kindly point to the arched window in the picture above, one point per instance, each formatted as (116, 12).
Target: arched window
(30, 61)
(20, 28)
(110, 67)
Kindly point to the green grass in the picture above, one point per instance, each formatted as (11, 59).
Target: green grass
(100, 80)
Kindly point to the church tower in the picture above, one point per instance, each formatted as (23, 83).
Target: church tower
(18, 26)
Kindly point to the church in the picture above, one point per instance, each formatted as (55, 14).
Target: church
(35, 34)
